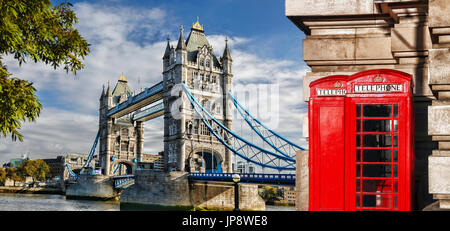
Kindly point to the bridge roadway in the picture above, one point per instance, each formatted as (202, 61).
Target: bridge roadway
(252, 178)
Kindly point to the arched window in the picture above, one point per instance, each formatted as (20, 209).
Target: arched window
(208, 63)
(202, 62)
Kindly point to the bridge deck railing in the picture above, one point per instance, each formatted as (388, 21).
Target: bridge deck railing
(259, 178)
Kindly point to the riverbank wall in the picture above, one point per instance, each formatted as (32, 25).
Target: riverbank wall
(31, 190)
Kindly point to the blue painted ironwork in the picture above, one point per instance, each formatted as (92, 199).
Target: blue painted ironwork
(278, 143)
(157, 88)
(240, 146)
(149, 111)
(256, 178)
(71, 173)
(119, 182)
(84, 169)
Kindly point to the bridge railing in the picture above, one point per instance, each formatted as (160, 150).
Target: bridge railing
(258, 178)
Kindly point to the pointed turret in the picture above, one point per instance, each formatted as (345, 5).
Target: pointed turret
(181, 45)
(108, 90)
(226, 51)
(167, 52)
(103, 92)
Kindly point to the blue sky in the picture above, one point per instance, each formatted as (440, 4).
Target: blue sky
(130, 37)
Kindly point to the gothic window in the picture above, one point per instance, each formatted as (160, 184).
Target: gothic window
(124, 132)
(213, 79)
(124, 146)
(195, 127)
(204, 130)
(207, 78)
(208, 63)
(202, 62)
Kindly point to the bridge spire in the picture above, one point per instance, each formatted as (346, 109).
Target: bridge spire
(181, 45)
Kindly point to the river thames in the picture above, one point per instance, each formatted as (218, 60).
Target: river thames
(48, 202)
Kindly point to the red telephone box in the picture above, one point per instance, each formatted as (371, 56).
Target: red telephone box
(361, 137)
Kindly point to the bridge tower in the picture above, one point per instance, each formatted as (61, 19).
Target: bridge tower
(120, 141)
(188, 144)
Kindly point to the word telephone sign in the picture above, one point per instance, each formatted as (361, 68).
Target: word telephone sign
(361, 137)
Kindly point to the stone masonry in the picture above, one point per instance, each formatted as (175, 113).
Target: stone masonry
(187, 141)
(413, 36)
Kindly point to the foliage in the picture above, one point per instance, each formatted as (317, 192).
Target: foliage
(37, 169)
(2, 176)
(269, 193)
(11, 173)
(44, 33)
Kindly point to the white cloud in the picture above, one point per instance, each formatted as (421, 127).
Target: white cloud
(131, 40)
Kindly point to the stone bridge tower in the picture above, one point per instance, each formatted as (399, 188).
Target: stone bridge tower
(120, 141)
(188, 144)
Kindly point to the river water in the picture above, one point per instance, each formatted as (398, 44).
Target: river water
(47, 202)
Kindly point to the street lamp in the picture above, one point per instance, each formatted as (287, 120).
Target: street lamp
(236, 178)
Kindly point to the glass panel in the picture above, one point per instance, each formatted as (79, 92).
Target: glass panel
(395, 170)
(377, 155)
(358, 125)
(358, 170)
(380, 186)
(369, 200)
(358, 155)
(395, 110)
(358, 110)
(377, 125)
(376, 170)
(395, 125)
(358, 200)
(395, 140)
(395, 155)
(377, 110)
(358, 141)
(358, 185)
(376, 140)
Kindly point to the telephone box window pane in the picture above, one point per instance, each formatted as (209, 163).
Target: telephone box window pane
(379, 186)
(358, 200)
(395, 125)
(358, 141)
(377, 155)
(358, 155)
(358, 170)
(358, 185)
(369, 200)
(395, 155)
(395, 170)
(376, 170)
(358, 110)
(395, 140)
(395, 110)
(377, 125)
(377, 110)
(376, 140)
(358, 125)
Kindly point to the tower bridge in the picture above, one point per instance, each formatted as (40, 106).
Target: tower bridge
(194, 98)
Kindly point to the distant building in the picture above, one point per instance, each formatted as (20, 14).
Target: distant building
(56, 166)
(152, 161)
(14, 163)
(287, 194)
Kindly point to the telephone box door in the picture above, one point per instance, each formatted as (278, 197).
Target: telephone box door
(377, 158)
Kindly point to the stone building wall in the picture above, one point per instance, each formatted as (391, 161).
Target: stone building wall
(413, 36)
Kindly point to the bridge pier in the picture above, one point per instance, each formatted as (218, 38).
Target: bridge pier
(97, 187)
(174, 189)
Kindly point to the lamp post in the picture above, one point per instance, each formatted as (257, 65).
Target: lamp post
(236, 178)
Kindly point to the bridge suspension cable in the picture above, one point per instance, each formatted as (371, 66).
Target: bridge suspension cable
(238, 145)
(278, 143)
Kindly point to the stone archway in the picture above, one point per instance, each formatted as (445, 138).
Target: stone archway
(122, 167)
(206, 160)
